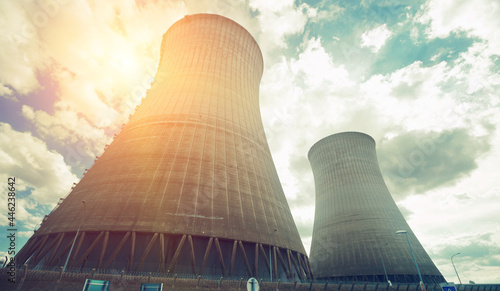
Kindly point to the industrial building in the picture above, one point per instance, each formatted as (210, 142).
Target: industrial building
(356, 219)
(188, 185)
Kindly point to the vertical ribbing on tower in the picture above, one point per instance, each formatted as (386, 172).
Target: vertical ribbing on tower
(192, 167)
(356, 216)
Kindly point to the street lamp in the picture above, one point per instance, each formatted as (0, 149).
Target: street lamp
(270, 257)
(413, 255)
(456, 268)
(74, 240)
(383, 265)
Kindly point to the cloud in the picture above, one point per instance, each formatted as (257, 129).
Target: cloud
(438, 97)
(100, 62)
(26, 212)
(102, 71)
(477, 18)
(375, 38)
(407, 99)
(6, 92)
(20, 51)
(407, 212)
(418, 161)
(416, 81)
(67, 127)
(478, 74)
(477, 252)
(316, 67)
(460, 218)
(28, 159)
(307, 94)
(272, 6)
(41, 176)
(327, 12)
(304, 220)
(27, 234)
(277, 21)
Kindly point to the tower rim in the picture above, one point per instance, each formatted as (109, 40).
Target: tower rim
(187, 17)
(334, 135)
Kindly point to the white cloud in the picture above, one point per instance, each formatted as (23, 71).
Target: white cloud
(413, 98)
(66, 127)
(278, 21)
(6, 93)
(437, 97)
(327, 12)
(291, 91)
(318, 68)
(376, 38)
(468, 234)
(477, 18)
(106, 59)
(34, 167)
(273, 6)
(20, 53)
(25, 213)
(101, 58)
(27, 234)
(475, 69)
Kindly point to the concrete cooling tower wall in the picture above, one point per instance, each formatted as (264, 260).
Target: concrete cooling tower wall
(189, 184)
(356, 219)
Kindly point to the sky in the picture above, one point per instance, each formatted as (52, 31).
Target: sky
(421, 77)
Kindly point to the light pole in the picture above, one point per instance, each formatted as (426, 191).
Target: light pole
(74, 240)
(383, 265)
(456, 268)
(270, 257)
(413, 255)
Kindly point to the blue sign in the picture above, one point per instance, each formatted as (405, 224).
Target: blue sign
(449, 288)
(151, 286)
(96, 285)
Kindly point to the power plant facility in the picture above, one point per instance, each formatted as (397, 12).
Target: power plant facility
(189, 185)
(359, 233)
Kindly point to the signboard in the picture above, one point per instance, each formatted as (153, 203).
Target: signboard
(252, 284)
(96, 285)
(151, 286)
(448, 287)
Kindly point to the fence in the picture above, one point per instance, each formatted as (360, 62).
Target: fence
(54, 279)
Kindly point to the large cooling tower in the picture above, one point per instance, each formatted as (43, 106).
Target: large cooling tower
(189, 184)
(356, 219)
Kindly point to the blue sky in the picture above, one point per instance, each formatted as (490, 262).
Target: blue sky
(421, 77)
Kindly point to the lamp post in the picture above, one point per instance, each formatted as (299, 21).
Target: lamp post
(456, 268)
(413, 255)
(74, 240)
(383, 265)
(270, 257)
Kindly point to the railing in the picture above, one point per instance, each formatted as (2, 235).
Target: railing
(55, 276)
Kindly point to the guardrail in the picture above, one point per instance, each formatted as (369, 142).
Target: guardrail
(54, 279)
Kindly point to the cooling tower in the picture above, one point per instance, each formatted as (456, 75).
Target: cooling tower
(188, 185)
(356, 219)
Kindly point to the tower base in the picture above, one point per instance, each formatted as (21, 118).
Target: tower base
(164, 253)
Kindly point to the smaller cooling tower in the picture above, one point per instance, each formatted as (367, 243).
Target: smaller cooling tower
(356, 219)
